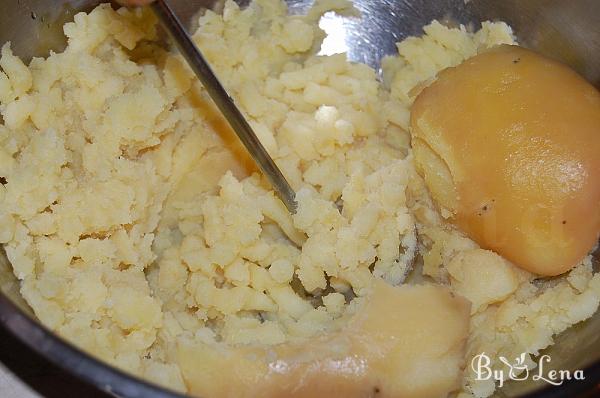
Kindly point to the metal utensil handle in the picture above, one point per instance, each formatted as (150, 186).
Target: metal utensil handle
(225, 103)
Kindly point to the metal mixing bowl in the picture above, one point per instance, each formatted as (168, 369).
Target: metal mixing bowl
(568, 30)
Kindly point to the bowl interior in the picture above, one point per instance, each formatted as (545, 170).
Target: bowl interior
(565, 30)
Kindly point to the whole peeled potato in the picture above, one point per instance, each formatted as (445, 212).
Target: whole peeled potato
(509, 143)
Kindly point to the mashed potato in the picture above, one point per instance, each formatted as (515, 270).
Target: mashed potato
(138, 226)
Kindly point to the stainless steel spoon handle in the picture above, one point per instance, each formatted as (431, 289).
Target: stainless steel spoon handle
(225, 103)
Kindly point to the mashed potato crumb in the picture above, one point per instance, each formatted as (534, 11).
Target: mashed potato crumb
(482, 285)
(136, 223)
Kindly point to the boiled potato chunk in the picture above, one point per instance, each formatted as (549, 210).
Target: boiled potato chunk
(509, 143)
(406, 341)
(482, 277)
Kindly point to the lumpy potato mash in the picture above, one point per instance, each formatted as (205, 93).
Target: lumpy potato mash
(141, 232)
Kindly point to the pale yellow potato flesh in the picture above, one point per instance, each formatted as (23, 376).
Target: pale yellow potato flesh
(406, 341)
(509, 143)
(482, 285)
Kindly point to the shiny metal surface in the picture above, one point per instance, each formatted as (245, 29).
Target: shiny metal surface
(568, 30)
(170, 22)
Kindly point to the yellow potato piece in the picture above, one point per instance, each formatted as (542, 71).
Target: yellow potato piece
(406, 341)
(509, 142)
(482, 277)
